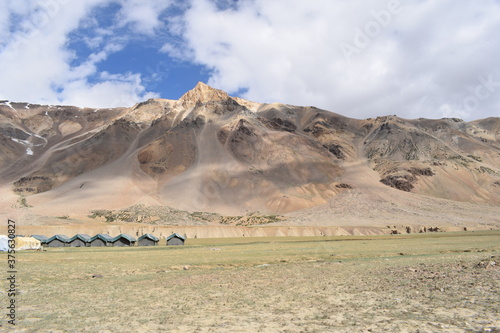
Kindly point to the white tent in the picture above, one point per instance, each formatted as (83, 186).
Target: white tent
(4, 243)
(27, 243)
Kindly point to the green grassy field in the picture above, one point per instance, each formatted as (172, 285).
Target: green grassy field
(421, 282)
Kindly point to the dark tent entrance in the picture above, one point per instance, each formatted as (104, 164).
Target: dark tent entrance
(78, 243)
(175, 241)
(123, 242)
(56, 243)
(98, 242)
(147, 242)
(79, 240)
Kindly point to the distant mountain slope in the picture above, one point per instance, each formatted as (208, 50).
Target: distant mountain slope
(211, 152)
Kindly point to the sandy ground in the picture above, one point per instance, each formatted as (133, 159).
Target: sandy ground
(372, 203)
(368, 208)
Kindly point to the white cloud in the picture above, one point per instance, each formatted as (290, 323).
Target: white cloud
(410, 58)
(415, 58)
(113, 90)
(36, 63)
(143, 14)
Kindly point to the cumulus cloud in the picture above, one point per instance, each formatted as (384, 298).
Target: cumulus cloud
(112, 90)
(415, 58)
(144, 15)
(411, 58)
(38, 66)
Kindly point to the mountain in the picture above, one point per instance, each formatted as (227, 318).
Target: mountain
(212, 153)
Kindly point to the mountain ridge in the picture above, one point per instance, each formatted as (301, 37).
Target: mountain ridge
(212, 152)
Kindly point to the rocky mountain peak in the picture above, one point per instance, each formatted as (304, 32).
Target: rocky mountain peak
(209, 152)
(203, 93)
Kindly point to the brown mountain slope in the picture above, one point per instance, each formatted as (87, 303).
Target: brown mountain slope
(214, 153)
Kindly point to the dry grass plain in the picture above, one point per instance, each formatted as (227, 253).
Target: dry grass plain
(411, 283)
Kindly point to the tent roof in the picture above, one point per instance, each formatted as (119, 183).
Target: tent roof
(175, 235)
(62, 238)
(150, 236)
(126, 236)
(41, 238)
(104, 237)
(83, 237)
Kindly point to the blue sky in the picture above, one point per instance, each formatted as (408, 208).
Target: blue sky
(415, 58)
(137, 52)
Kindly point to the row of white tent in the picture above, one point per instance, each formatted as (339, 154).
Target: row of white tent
(21, 243)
